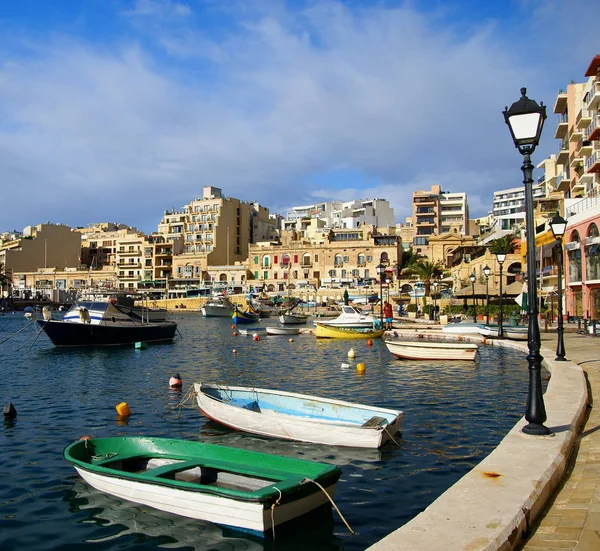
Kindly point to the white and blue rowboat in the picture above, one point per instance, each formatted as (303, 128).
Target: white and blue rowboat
(511, 332)
(299, 417)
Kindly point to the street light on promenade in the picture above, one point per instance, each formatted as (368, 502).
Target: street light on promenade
(473, 278)
(435, 287)
(381, 272)
(558, 225)
(486, 272)
(525, 119)
(500, 257)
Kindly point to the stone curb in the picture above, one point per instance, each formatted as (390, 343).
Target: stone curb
(493, 506)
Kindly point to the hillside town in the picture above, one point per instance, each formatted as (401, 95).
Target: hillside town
(221, 243)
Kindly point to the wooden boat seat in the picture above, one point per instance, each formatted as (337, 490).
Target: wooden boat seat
(374, 421)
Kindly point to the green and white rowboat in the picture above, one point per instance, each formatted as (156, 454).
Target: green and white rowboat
(233, 487)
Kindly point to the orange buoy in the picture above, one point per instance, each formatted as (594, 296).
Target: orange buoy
(123, 409)
(369, 342)
(234, 351)
(175, 382)
(234, 334)
(233, 326)
(256, 337)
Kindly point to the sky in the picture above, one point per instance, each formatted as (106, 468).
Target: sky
(117, 110)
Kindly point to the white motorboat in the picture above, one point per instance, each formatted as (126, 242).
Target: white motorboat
(218, 307)
(351, 317)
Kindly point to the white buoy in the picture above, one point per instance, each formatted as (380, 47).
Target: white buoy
(351, 353)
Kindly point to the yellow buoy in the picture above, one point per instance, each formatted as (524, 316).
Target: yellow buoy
(123, 409)
(360, 367)
(351, 353)
(291, 340)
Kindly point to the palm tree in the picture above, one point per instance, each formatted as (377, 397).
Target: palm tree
(426, 271)
(503, 245)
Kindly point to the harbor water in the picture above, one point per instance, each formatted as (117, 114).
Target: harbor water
(455, 413)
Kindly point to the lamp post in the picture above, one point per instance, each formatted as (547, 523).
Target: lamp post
(381, 272)
(558, 225)
(500, 257)
(486, 272)
(525, 119)
(473, 278)
(435, 286)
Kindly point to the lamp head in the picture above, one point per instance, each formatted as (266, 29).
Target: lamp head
(501, 257)
(525, 119)
(435, 284)
(472, 277)
(380, 269)
(558, 225)
(487, 271)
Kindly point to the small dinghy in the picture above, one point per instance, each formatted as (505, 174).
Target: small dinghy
(428, 350)
(290, 416)
(242, 489)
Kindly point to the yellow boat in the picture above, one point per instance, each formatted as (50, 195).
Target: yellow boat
(333, 332)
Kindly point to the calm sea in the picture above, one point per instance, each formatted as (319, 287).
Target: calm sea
(455, 414)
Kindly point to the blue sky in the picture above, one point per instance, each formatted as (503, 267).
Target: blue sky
(116, 110)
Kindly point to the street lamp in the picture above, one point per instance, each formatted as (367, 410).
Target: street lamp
(381, 272)
(435, 286)
(558, 225)
(473, 278)
(525, 119)
(487, 272)
(500, 257)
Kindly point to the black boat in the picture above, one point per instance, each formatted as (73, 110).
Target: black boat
(89, 323)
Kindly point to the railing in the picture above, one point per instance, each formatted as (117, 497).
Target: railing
(592, 160)
(595, 90)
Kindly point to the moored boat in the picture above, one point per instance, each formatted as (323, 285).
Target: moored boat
(300, 417)
(333, 332)
(103, 324)
(350, 317)
(429, 350)
(249, 316)
(512, 332)
(229, 486)
(218, 307)
(282, 330)
(292, 319)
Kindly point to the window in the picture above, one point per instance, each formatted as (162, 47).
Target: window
(275, 258)
(256, 260)
(295, 259)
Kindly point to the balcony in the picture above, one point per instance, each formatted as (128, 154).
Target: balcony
(592, 164)
(584, 118)
(576, 134)
(306, 264)
(561, 129)
(127, 277)
(593, 130)
(586, 148)
(124, 265)
(561, 103)
(563, 154)
(129, 252)
(594, 97)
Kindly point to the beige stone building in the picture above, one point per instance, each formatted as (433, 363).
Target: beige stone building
(215, 231)
(344, 257)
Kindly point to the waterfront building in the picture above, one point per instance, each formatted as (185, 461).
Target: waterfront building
(338, 214)
(215, 231)
(341, 257)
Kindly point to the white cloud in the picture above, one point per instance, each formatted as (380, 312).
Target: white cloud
(125, 131)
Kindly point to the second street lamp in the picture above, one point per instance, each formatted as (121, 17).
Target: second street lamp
(435, 287)
(381, 272)
(500, 257)
(486, 272)
(525, 119)
(472, 277)
(558, 225)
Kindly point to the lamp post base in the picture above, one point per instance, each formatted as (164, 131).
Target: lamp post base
(560, 359)
(536, 429)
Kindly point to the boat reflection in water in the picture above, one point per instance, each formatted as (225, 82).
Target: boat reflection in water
(117, 519)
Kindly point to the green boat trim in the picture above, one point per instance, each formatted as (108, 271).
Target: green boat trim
(283, 478)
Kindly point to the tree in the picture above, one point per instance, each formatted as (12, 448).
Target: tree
(426, 271)
(503, 245)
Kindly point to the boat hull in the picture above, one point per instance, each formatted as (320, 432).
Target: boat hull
(238, 488)
(292, 319)
(427, 350)
(244, 317)
(282, 330)
(512, 333)
(333, 332)
(212, 311)
(66, 333)
(291, 416)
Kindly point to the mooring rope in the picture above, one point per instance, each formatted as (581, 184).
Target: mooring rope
(306, 479)
(15, 333)
(179, 406)
(391, 437)
(275, 503)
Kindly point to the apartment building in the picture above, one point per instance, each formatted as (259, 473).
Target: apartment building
(216, 231)
(338, 214)
(345, 257)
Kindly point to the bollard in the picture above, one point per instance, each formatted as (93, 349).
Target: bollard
(585, 326)
(594, 327)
